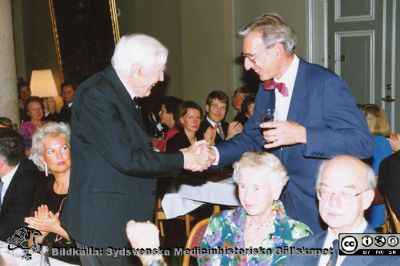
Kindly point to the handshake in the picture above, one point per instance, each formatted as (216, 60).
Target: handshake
(198, 157)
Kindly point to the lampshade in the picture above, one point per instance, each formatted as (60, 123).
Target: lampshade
(42, 83)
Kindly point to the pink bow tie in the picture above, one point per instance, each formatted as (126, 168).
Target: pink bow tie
(271, 85)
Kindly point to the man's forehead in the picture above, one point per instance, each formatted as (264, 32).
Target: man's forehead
(217, 101)
(342, 175)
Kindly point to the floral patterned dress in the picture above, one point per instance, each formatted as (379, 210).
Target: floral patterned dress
(226, 230)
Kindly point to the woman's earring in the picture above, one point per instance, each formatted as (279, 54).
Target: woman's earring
(46, 170)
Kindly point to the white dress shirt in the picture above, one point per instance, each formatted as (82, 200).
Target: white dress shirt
(6, 179)
(328, 244)
(282, 103)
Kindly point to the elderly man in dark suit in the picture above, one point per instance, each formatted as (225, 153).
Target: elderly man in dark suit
(345, 188)
(114, 168)
(317, 117)
(18, 178)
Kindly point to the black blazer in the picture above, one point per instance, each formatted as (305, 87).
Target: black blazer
(113, 166)
(177, 142)
(205, 124)
(389, 180)
(18, 199)
(65, 114)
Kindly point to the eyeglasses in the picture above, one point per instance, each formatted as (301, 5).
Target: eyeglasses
(345, 196)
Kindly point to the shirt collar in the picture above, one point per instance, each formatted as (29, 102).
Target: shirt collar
(128, 89)
(6, 179)
(359, 229)
(290, 72)
(213, 124)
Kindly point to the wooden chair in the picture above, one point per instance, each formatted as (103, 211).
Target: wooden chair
(159, 217)
(392, 224)
(194, 239)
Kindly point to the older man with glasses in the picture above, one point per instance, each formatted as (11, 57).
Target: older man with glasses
(345, 189)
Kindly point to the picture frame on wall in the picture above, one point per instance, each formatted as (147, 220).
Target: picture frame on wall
(85, 34)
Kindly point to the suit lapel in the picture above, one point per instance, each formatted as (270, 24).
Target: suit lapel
(297, 109)
(123, 95)
(9, 192)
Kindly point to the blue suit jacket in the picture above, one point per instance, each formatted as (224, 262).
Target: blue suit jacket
(323, 104)
(317, 241)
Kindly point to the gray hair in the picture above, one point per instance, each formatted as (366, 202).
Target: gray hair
(50, 129)
(138, 48)
(266, 163)
(274, 30)
(371, 180)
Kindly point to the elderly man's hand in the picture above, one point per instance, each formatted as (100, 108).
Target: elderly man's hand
(198, 157)
(283, 133)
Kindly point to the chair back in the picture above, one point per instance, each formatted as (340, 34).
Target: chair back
(195, 238)
(392, 224)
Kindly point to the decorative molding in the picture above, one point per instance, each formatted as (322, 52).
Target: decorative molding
(360, 33)
(340, 18)
(393, 76)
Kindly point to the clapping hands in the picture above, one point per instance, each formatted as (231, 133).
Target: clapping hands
(198, 157)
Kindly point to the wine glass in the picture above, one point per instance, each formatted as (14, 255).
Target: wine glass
(267, 115)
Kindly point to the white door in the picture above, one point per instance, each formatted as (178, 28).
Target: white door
(362, 42)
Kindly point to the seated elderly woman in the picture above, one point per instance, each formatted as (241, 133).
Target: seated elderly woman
(51, 153)
(259, 221)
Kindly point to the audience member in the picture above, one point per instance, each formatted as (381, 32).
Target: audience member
(345, 188)
(67, 93)
(145, 235)
(34, 108)
(317, 117)
(187, 120)
(213, 128)
(169, 105)
(50, 109)
(17, 183)
(113, 168)
(379, 127)
(6, 122)
(24, 92)
(238, 97)
(51, 153)
(247, 109)
(259, 221)
(389, 181)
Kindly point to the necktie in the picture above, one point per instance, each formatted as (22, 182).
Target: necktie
(220, 131)
(136, 103)
(1, 187)
(271, 85)
(333, 259)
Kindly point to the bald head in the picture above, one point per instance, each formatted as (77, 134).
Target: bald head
(345, 190)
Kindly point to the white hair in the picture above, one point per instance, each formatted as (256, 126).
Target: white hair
(274, 30)
(50, 129)
(371, 180)
(266, 162)
(138, 48)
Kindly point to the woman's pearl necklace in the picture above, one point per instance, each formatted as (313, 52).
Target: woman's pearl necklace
(268, 224)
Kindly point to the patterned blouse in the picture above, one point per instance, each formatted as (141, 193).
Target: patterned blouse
(226, 230)
(26, 130)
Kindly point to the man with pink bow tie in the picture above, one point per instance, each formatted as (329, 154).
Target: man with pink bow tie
(316, 116)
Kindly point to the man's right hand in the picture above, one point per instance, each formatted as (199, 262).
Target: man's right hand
(198, 157)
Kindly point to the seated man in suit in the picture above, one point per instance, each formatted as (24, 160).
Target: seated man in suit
(213, 128)
(389, 181)
(345, 189)
(17, 183)
(67, 93)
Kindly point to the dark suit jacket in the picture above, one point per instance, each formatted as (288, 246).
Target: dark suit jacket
(113, 167)
(205, 124)
(323, 104)
(317, 241)
(389, 180)
(18, 199)
(177, 142)
(65, 114)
